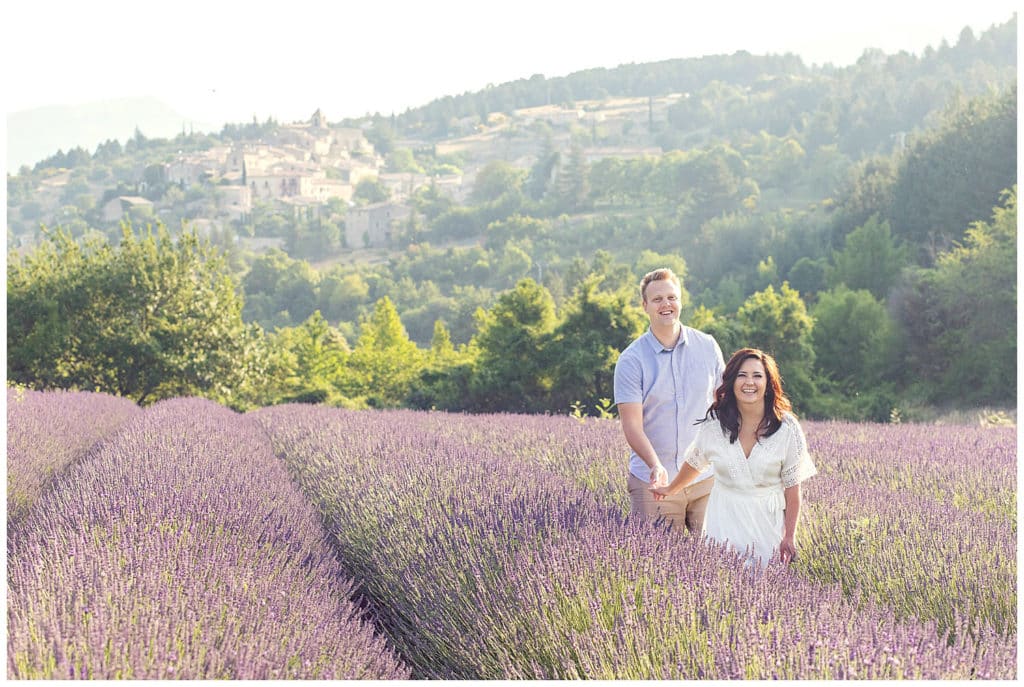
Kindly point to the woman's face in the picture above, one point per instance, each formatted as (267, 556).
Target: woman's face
(750, 383)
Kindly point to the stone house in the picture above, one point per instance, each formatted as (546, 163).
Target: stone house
(116, 208)
(373, 226)
(234, 201)
(402, 185)
(324, 189)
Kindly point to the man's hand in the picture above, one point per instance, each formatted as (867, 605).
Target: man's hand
(659, 476)
(659, 493)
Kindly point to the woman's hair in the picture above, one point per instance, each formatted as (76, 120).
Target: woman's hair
(725, 409)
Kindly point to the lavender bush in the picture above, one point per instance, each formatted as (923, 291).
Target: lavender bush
(174, 546)
(495, 547)
(919, 517)
(46, 432)
(180, 549)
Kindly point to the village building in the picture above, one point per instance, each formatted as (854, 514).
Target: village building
(117, 208)
(374, 226)
(401, 185)
(595, 154)
(235, 202)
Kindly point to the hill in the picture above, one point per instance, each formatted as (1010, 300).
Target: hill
(38, 133)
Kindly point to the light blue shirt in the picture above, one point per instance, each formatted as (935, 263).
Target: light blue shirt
(676, 387)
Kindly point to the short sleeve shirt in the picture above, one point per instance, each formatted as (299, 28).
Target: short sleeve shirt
(675, 386)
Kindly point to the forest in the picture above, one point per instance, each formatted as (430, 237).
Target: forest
(858, 222)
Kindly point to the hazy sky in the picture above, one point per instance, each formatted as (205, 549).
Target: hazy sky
(225, 61)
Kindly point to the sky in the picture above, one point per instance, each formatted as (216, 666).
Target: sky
(228, 61)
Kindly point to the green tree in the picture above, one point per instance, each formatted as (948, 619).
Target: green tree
(538, 180)
(573, 181)
(955, 174)
(402, 160)
(280, 291)
(649, 260)
(581, 353)
(316, 355)
(871, 259)
(444, 381)
(510, 373)
(371, 190)
(856, 352)
(495, 179)
(807, 275)
(151, 318)
(385, 362)
(960, 317)
(517, 227)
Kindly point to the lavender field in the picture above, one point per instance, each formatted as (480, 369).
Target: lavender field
(189, 541)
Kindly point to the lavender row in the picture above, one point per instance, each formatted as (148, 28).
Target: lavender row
(921, 518)
(970, 467)
(483, 563)
(46, 432)
(180, 549)
(923, 558)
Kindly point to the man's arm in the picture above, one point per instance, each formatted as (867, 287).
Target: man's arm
(631, 415)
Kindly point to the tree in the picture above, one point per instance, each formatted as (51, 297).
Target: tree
(573, 181)
(539, 178)
(648, 261)
(371, 190)
(510, 374)
(402, 160)
(385, 362)
(856, 352)
(149, 319)
(444, 381)
(955, 175)
(279, 290)
(495, 179)
(960, 317)
(518, 227)
(316, 356)
(581, 353)
(807, 275)
(871, 259)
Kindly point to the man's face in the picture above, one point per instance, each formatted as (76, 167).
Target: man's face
(662, 304)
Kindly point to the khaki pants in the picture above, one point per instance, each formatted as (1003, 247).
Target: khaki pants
(685, 510)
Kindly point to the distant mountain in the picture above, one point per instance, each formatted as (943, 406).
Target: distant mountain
(36, 134)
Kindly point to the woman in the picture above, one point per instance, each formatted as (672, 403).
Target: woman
(759, 455)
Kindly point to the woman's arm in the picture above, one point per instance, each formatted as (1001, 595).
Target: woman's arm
(787, 549)
(683, 479)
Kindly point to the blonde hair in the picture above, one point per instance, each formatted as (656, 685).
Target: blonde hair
(658, 275)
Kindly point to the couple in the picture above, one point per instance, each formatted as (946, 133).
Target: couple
(682, 409)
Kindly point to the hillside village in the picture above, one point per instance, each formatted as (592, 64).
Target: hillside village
(304, 166)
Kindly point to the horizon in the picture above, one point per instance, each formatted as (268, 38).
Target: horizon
(350, 62)
(301, 64)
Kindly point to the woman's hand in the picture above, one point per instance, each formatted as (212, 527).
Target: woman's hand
(787, 550)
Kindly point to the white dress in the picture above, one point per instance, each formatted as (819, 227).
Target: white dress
(747, 501)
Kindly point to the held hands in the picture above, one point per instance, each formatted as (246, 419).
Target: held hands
(659, 476)
(659, 482)
(787, 550)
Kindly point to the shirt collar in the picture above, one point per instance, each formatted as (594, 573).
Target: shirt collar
(656, 345)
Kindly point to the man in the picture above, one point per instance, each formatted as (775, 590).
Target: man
(664, 382)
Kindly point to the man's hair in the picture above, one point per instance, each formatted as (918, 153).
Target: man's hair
(658, 275)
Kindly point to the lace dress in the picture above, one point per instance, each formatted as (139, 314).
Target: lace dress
(747, 502)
